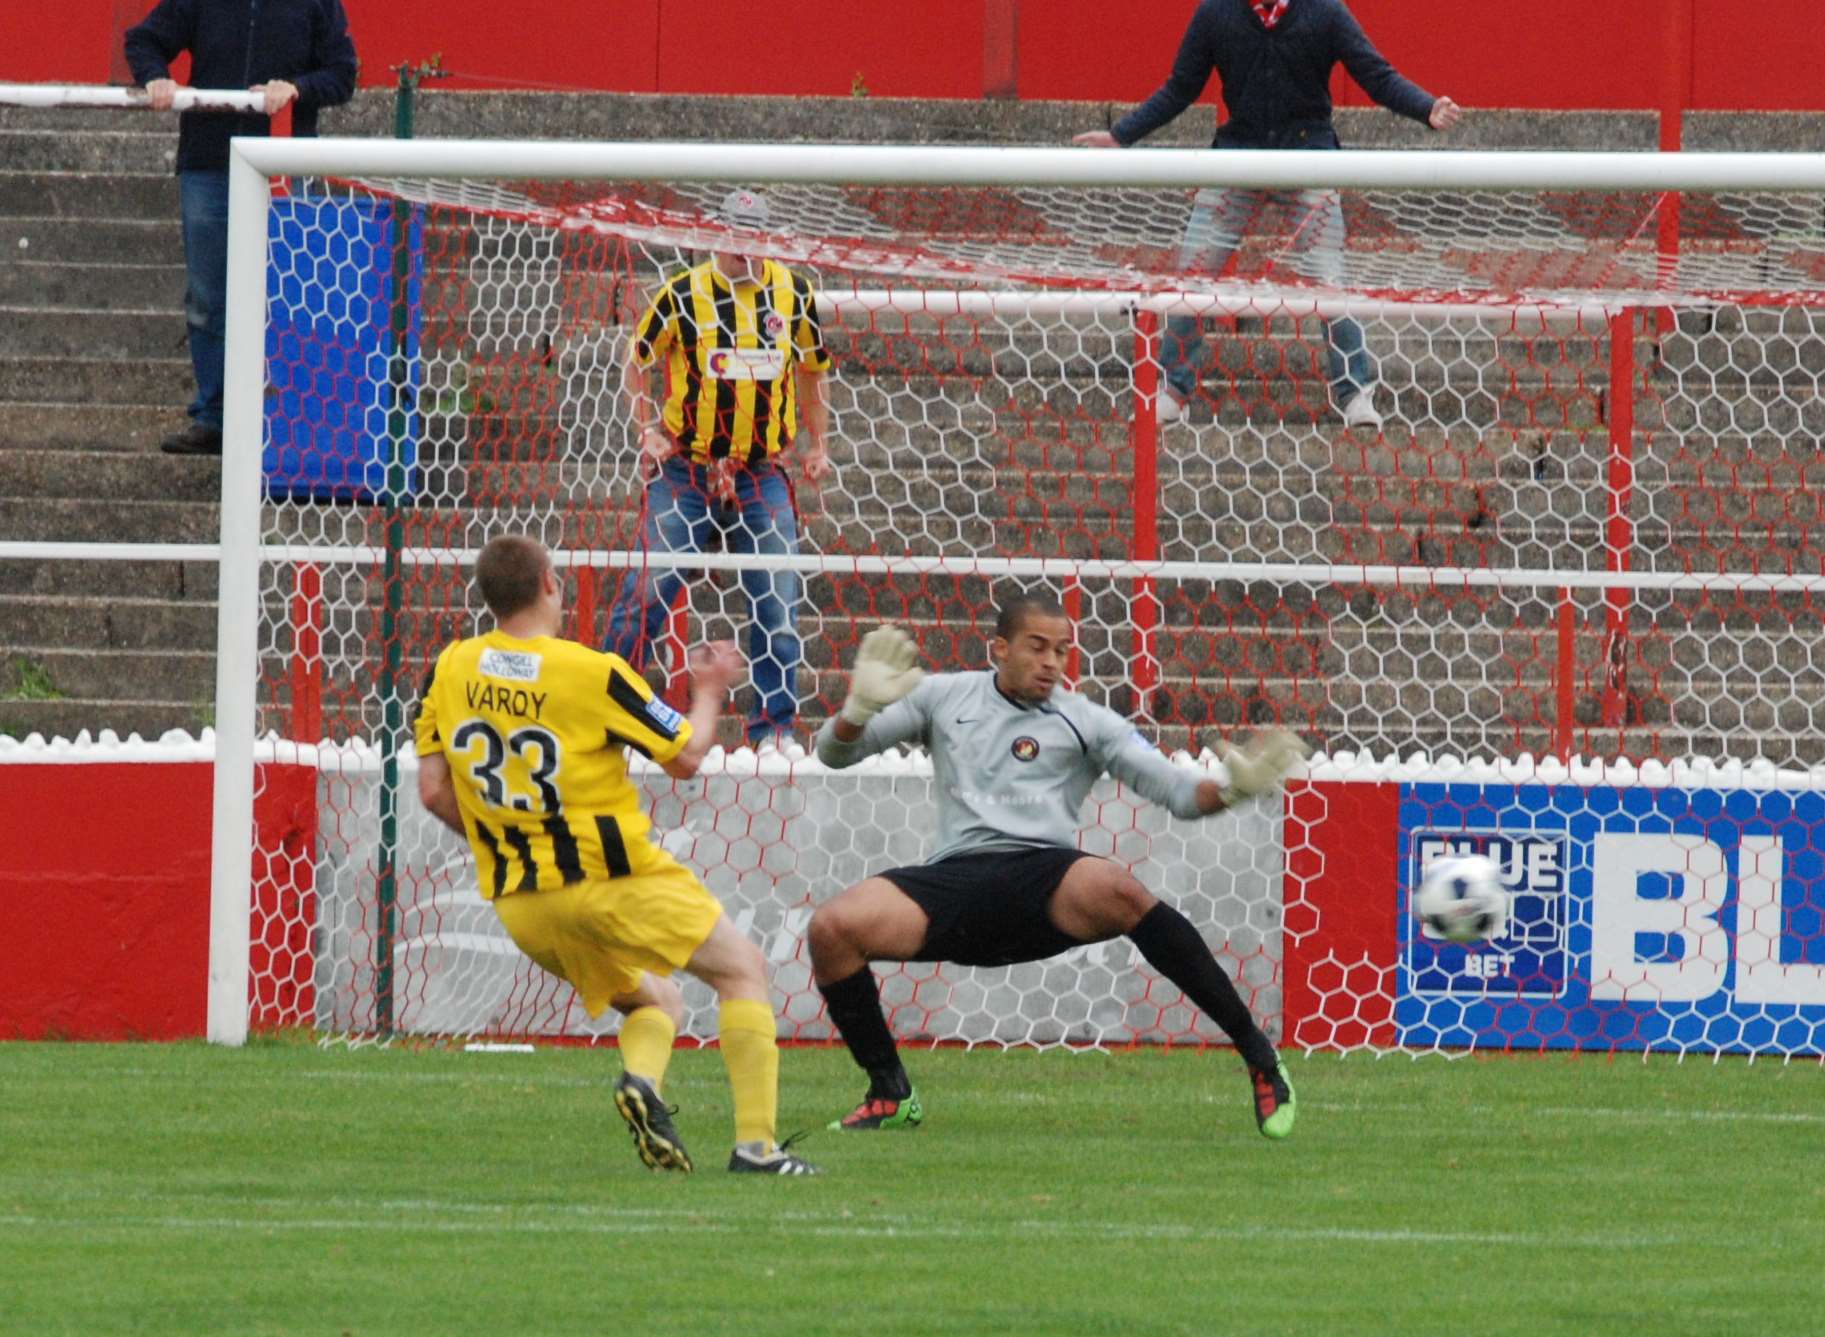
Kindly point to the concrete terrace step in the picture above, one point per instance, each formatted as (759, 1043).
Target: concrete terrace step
(80, 196)
(111, 241)
(114, 623)
(73, 520)
(50, 332)
(443, 112)
(68, 718)
(93, 674)
(165, 378)
(98, 288)
(119, 476)
(130, 428)
(123, 151)
(105, 579)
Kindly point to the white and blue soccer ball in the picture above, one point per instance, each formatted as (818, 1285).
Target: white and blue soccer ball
(1461, 899)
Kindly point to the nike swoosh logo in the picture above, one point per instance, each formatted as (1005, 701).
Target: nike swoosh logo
(966, 721)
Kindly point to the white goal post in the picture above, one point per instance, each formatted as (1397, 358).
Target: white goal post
(245, 545)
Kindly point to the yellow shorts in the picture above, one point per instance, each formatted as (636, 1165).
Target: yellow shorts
(604, 936)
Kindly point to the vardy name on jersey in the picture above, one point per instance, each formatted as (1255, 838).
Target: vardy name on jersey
(505, 700)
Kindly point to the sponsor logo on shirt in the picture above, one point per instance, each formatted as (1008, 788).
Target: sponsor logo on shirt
(663, 715)
(745, 364)
(1025, 748)
(516, 665)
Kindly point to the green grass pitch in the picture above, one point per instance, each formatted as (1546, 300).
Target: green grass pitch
(285, 1188)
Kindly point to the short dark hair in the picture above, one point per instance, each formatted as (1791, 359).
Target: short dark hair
(1020, 607)
(509, 573)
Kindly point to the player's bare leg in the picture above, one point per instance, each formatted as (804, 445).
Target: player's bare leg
(872, 921)
(1099, 900)
(730, 963)
(653, 1012)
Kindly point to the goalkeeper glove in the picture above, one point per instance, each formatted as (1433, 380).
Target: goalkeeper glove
(1261, 763)
(884, 672)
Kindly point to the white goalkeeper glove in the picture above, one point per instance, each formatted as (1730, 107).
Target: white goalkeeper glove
(1261, 763)
(885, 670)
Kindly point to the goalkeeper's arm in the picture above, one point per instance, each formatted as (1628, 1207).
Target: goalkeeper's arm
(880, 709)
(1257, 767)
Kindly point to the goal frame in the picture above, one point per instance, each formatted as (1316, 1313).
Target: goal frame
(254, 163)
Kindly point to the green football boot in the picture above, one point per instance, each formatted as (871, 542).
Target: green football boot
(875, 1112)
(1275, 1104)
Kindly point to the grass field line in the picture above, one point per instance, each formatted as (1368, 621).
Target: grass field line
(1569, 1112)
(1077, 1098)
(506, 1220)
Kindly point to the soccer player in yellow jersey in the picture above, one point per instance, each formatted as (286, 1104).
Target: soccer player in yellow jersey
(522, 742)
(744, 364)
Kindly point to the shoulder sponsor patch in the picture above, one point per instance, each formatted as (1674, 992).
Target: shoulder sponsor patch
(663, 715)
(514, 665)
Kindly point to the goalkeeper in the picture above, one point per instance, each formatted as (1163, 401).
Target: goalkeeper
(1013, 757)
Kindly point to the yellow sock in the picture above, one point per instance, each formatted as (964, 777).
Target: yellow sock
(750, 1051)
(646, 1044)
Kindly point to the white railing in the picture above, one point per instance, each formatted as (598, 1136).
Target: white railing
(96, 95)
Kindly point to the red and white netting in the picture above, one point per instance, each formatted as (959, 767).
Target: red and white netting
(1588, 526)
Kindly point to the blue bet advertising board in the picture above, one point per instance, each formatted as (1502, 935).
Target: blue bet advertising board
(1639, 918)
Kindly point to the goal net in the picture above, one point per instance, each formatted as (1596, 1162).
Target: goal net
(1561, 606)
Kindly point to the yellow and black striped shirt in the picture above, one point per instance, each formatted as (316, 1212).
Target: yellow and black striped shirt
(536, 733)
(730, 350)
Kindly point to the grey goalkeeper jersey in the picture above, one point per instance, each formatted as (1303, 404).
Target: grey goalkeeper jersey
(1009, 774)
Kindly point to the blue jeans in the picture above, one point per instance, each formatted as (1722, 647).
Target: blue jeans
(680, 514)
(204, 196)
(1219, 217)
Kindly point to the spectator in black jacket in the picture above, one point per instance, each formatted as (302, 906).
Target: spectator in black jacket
(1275, 59)
(295, 52)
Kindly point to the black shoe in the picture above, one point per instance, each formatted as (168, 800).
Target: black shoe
(779, 1161)
(196, 439)
(650, 1121)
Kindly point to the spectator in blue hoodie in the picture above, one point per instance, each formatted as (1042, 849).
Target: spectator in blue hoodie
(1275, 59)
(295, 52)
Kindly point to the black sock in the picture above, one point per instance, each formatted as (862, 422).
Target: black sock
(1173, 947)
(855, 1008)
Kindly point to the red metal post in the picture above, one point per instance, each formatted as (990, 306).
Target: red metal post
(1145, 547)
(1675, 93)
(307, 653)
(279, 127)
(1074, 609)
(584, 615)
(1619, 529)
(676, 630)
(1000, 48)
(1562, 725)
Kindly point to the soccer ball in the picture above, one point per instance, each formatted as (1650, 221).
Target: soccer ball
(1461, 899)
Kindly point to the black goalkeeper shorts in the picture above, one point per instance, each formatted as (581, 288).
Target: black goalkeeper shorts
(990, 909)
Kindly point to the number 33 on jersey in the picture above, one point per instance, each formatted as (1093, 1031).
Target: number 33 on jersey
(536, 733)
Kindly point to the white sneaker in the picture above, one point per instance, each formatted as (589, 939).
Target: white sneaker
(1168, 407)
(1359, 411)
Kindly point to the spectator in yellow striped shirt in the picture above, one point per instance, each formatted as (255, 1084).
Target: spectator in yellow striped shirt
(745, 363)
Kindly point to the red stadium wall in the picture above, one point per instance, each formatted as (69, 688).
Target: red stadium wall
(1550, 54)
(1339, 958)
(104, 897)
